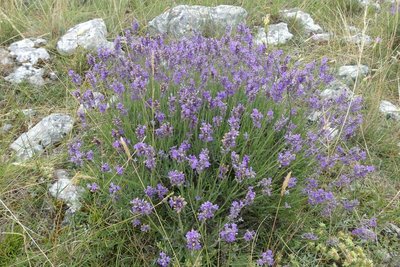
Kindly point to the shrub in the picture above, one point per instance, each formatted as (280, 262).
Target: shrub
(208, 149)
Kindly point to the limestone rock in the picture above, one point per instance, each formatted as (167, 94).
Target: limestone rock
(89, 35)
(277, 34)
(356, 36)
(27, 73)
(49, 131)
(390, 110)
(185, 20)
(29, 51)
(65, 190)
(350, 72)
(304, 18)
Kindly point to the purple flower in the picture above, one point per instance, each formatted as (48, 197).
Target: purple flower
(267, 259)
(292, 182)
(162, 191)
(250, 196)
(206, 132)
(119, 170)
(90, 155)
(140, 131)
(163, 260)
(114, 189)
(193, 240)
(105, 167)
(249, 235)
(285, 158)
(207, 210)
(242, 169)
(310, 236)
(141, 207)
(257, 117)
(203, 162)
(93, 187)
(177, 203)
(145, 228)
(229, 140)
(350, 205)
(136, 222)
(229, 233)
(150, 191)
(176, 178)
(75, 153)
(165, 130)
(364, 233)
(235, 209)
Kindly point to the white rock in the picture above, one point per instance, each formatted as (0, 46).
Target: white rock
(28, 112)
(372, 3)
(89, 35)
(185, 20)
(335, 89)
(27, 50)
(65, 190)
(5, 58)
(321, 37)
(50, 130)
(390, 110)
(350, 72)
(277, 34)
(27, 73)
(356, 36)
(304, 18)
(6, 128)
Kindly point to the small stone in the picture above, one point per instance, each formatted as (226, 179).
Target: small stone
(6, 128)
(89, 35)
(5, 58)
(321, 37)
(357, 36)
(184, 20)
(27, 73)
(277, 34)
(28, 112)
(49, 131)
(304, 18)
(27, 50)
(335, 89)
(53, 76)
(390, 110)
(64, 189)
(350, 72)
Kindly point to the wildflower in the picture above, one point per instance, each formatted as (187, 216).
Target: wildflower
(350, 205)
(165, 130)
(267, 259)
(206, 132)
(229, 233)
(141, 207)
(207, 210)
(229, 140)
(292, 182)
(75, 153)
(249, 235)
(177, 203)
(286, 158)
(176, 178)
(105, 167)
(163, 260)
(193, 240)
(90, 155)
(150, 191)
(162, 191)
(119, 169)
(266, 186)
(235, 209)
(250, 196)
(310, 236)
(257, 117)
(140, 132)
(364, 233)
(145, 228)
(136, 222)
(242, 169)
(93, 187)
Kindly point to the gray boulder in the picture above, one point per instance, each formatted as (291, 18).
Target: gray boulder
(304, 18)
(89, 35)
(277, 34)
(185, 20)
(49, 131)
(390, 110)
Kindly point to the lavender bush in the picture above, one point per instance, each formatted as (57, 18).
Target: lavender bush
(210, 148)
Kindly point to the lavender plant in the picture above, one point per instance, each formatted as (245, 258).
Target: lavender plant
(211, 147)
